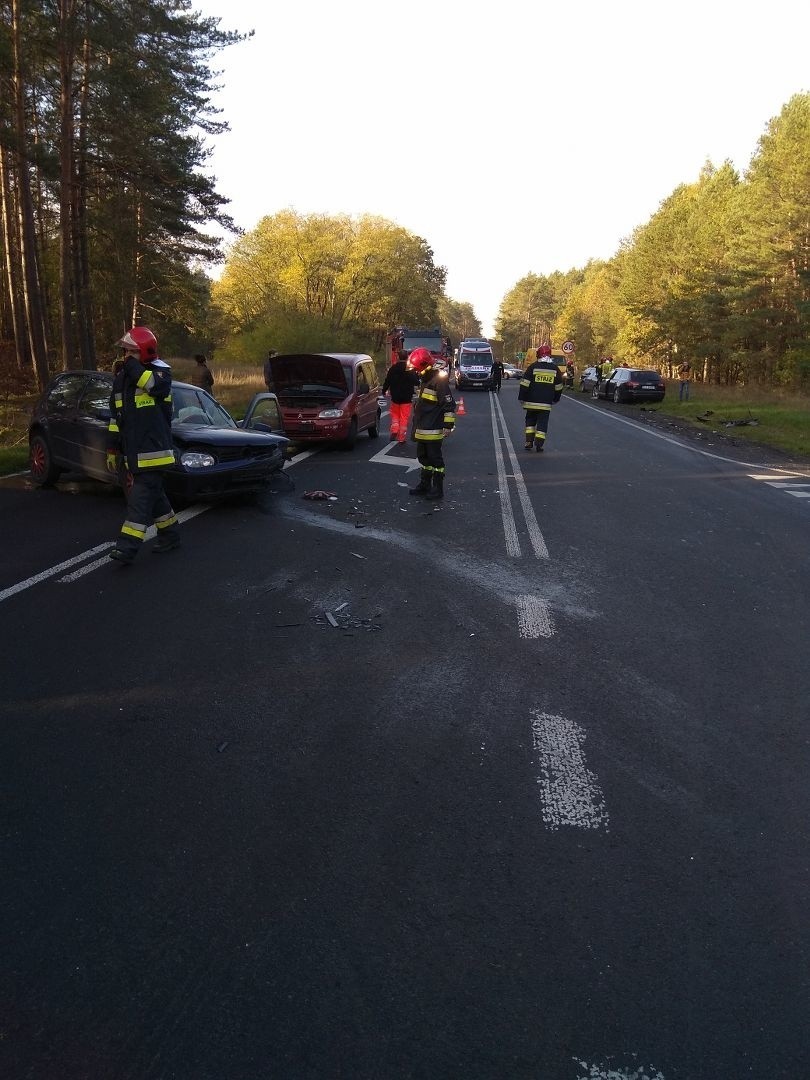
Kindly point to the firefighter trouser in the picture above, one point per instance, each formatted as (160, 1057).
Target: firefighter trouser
(431, 458)
(400, 418)
(147, 504)
(496, 382)
(537, 424)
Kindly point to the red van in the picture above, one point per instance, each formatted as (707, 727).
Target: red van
(327, 397)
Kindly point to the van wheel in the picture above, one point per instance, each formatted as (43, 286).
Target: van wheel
(351, 438)
(40, 462)
(374, 430)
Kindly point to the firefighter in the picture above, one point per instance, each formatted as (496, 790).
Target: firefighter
(140, 431)
(434, 419)
(401, 382)
(540, 388)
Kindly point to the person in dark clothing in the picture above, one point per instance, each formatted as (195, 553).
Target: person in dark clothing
(401, 383)
(540, 388)
(434, 420)
(140, 433)
(496, 374)
(202, 375)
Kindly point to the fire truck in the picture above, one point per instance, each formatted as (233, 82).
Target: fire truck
(403, 337)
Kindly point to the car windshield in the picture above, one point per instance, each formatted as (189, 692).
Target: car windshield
(483, 357)
(196, 407)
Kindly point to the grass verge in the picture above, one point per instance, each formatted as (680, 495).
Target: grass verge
(783, 420)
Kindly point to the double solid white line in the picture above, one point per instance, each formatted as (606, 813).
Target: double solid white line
(501, 435)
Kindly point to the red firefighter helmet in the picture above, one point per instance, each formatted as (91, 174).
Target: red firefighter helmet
(544, 350)
(420, 360)
(141, 340)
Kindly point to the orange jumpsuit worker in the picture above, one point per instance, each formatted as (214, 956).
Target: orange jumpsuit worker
(401, 382)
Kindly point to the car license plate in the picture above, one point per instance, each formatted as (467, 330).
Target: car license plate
(649, 386)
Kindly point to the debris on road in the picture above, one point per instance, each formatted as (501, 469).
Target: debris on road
(320, 495)
(345, 621)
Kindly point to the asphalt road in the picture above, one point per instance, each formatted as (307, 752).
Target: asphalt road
(514, 787)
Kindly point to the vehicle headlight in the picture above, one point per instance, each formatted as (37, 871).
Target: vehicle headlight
(194, 459)
(330, 414)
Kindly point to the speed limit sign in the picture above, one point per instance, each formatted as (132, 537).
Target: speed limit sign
(568, 346)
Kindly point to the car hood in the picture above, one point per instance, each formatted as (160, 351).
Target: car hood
(295, 371)
(205, 435)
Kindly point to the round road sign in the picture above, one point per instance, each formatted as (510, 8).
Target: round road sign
(568, 346)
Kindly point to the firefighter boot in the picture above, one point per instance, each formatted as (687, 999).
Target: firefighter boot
(437, 491)
(423, 487)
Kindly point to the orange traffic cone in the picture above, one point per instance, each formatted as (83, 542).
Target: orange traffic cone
(460, 410)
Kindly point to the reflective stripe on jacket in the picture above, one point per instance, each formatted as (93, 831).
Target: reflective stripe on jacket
(435, 409)
(541, 385)
(140, 425)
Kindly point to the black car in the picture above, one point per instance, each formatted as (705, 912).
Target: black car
(214, 455)
(631, 384)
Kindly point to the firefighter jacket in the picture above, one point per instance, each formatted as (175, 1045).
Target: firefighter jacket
(541, 385)
(402, 381)
(140, 425)
(435, 409)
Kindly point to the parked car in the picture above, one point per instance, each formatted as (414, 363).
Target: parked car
(512, 371)
(588, 379)
(327, 397)
(631, 384)
(214, 455)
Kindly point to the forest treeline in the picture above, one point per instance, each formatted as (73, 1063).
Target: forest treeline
(109, 216)
(105, 202)
(719, 275)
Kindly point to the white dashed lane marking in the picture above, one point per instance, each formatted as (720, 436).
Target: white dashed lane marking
(569, 791)
(534, 617)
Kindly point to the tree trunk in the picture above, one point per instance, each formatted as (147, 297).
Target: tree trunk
(32, 297)
(66, 37)
(12, 261)
(84, 306)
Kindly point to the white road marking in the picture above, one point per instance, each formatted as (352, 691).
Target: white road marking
(12, 590)
(381, 458)
(605, 1072)
(570, 793)
(151, 532)
(535, 536)
(786, 484)
(302, 456)
(771, 476)
(534, 617)
(800, 494)
(507, 515)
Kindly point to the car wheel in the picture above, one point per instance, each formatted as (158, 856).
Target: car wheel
(374, 430)
(351, 438)
(40, 462)
(617, 395)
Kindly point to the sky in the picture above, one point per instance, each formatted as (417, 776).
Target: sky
(515, 137)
